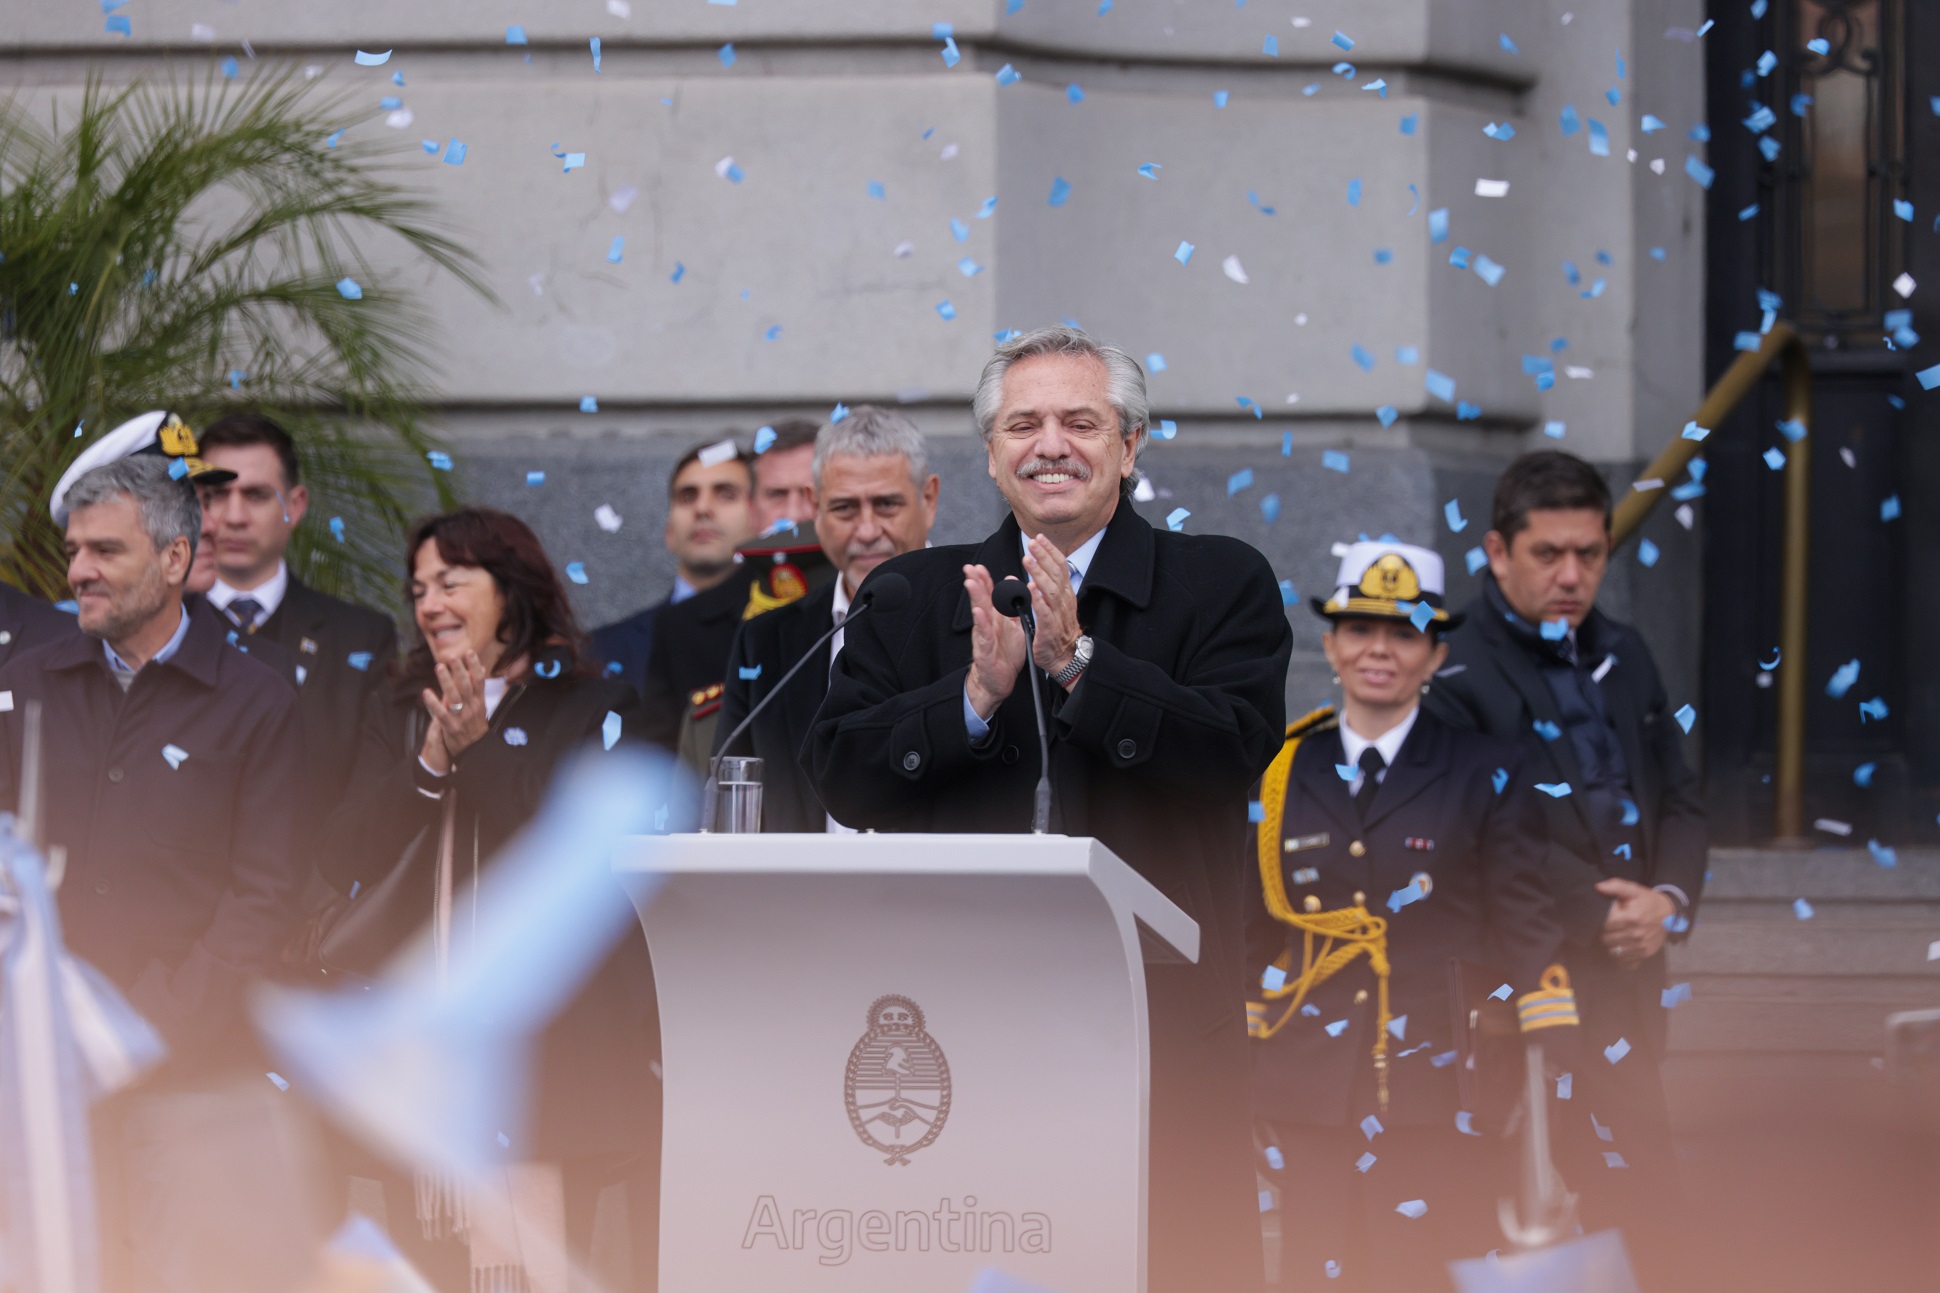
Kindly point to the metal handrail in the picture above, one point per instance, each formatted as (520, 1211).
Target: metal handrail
(1781, 346)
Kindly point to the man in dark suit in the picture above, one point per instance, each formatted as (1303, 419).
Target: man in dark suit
(875, 497)
(26, 621)
(710, 512)
(1161, 659)
(1538, 664)
(687, 658)
(340, 649)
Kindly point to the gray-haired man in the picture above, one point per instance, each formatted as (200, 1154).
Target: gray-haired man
(875, 497)
(171, 767)
(1161, 661)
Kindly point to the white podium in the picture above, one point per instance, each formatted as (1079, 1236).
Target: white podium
(894, 1061)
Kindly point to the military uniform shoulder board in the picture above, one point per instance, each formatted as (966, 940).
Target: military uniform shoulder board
(1319, 720)
(1273, 788)
(705, 701)
(782, 584)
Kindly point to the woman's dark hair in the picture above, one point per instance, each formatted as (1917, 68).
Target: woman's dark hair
(1547, 480)
(538, 614)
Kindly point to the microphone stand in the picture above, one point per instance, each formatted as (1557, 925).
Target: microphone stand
(1018, 599)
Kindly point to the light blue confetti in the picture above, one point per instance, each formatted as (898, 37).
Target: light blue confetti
(594, 45)
(726, 54)
(1685, 716)
(1475, 559)
(534, 478)
(1362, 356)
(1547, 730)
(1883, 854)
(515, 35)
(1802, 909)
(1342, 41)
(1241, 479)
(1647, 552)
(359, 660)
(589, 404)
(1176, 519)
(1599, 138)
(1335, 460)
(1364, 1162)
(1184, 253)
(576, 571)
(515, 736)
(278, 1081)
(439, 459)
(1410, 123)
(1862, 776)
(1221, 98)
(1554, 630)
(1775, 458)
(1651, 125)
(1903, 209)
(1675, 995)
(1872, 710)
(1150, 170)
(573, 162)
(1413, 1209)
(1452, 512)
(1698, 171)
(1616, 1050)
(337, 528)
(1289, 595)
(1928, 377)
(1766, 62)
(1270, 508)
(1387, 415)
(951, 56)
(1007, 75)
(1270, 47)
(1889, 508)
(372, 60)
(1554, 789)
(1060, 190)
(348, 289)
(1167, 430)
(1488, 270)
(617, 250)
(1354, 192)
(1438, 225)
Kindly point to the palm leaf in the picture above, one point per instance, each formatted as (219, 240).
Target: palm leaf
(179, 245)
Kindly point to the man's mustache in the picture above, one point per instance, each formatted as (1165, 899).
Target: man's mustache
(1068, 466)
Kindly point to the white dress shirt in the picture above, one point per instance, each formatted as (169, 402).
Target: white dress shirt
(269, 595)
(1388, 743)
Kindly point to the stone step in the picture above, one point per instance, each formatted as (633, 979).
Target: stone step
(1824, 873)
(1793, 1015)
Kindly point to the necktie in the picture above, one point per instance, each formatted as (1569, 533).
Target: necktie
(1371, 767)
(244, 611)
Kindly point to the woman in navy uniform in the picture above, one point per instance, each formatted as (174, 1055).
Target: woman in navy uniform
(1391, 848)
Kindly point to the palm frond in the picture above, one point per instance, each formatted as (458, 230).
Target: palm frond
(178, 245)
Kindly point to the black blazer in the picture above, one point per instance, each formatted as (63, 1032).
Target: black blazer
(690, 651)
(772, 642)
(180, 879)
(341, 651)
(594, 1091)
(621, 649)
(1436, 813)
(1180, 710)
(26, 621)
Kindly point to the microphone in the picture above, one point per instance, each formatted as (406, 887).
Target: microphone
(887, 591)
(1012, 597)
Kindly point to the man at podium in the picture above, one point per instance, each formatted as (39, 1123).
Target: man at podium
(1160, 663)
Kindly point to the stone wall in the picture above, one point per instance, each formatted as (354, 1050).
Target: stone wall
(791, 293)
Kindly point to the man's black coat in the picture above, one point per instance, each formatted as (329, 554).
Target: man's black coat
(772, 642)
(27, 621)
(1437, 813)
(1181, 709)
(690, 651)
(1493, 685)
(180, 879)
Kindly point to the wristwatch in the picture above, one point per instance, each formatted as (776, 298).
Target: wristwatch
(1080, 657)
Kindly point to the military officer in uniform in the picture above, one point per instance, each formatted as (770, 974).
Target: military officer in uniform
(1391, 845)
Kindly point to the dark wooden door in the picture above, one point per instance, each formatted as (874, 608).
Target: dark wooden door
(1825, 212)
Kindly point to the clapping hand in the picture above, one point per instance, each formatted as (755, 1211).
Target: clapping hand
(997, 646)
(457, 710)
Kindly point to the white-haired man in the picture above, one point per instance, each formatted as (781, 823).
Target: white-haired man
(875, 497)
(1163, 661)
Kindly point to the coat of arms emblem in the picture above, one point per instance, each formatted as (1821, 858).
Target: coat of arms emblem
(898, 1084)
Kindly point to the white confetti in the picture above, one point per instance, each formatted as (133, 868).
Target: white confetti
(619, 8)
(175, 754)
(622, 199)
(608, 519)
(1832, 826)
(1491, 188)
(1233, 269)
(1904, 285)
(719, 452)
(6, 702)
